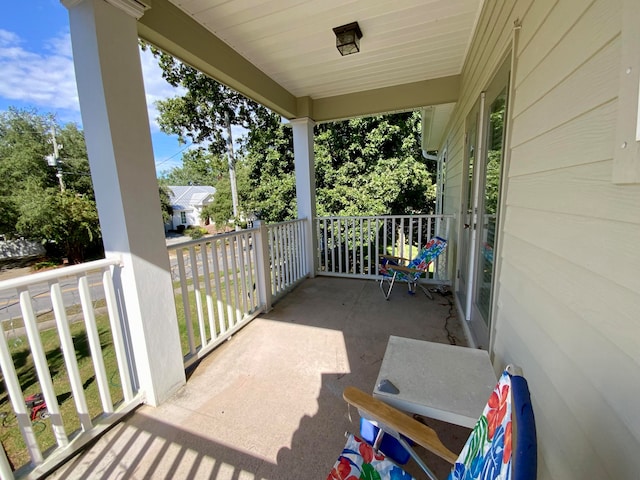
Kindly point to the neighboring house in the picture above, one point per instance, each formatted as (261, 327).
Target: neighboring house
(187, 203)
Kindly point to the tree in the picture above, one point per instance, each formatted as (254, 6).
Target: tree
(205, 113)
(364, 166)
(33, 205)
(66, 219)
(23, 146)
(165, 201)
(199, 167)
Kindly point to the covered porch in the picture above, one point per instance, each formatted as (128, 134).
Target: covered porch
(268, 403)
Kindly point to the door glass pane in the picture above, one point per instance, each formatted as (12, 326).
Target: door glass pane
(493, 167)
(467, 209)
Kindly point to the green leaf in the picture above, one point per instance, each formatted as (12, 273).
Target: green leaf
(478, 438)
(368, 472)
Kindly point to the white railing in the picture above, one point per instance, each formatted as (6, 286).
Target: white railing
(350, 246)
(287, 255)
(58, 337)
(217, 288)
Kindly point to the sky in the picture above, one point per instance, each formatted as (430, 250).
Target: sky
(36, 71)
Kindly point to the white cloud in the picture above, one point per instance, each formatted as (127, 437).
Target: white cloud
(43, 80)
(155, 86)
(47, 79)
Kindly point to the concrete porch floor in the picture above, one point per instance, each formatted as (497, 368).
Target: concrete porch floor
(268, 403)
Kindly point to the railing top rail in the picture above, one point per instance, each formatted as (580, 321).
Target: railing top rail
(42, 277)
(210, 238)
(297, 220)
(365, 217)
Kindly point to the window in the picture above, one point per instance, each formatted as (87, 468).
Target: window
(183, 218)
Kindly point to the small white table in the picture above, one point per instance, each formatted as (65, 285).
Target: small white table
(444, 382)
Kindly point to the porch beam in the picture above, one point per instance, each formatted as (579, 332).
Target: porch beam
(397, 98)
(114, 115)
(172, 30)
(304, 160)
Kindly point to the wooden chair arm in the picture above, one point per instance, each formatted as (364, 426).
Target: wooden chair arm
(393, 257)
(402, 268)
(374, 409)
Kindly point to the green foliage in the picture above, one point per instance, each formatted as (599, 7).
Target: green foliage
(32, 204)
(372, 166)
(364, 166)
(199, 167)
(201, 113)
(165, 200)
(66, 219)
(195, 232)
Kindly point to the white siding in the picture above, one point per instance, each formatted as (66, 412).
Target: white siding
(568, 297)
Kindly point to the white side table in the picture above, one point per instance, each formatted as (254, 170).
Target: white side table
(444, 382)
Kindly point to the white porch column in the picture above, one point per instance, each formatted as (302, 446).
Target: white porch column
(116, 126)
(306, 185)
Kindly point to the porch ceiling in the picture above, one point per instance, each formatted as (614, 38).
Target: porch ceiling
(283, 53)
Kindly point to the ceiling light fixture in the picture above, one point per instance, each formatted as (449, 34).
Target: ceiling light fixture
(348, 38)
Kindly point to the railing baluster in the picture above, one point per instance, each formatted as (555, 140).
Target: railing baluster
(286, 259)
(117, 335)
(243, 246)
(94, 345)
(271, 232)
(215, 253)
(361, 247)
(353, 236)
(5, 468)
(326, 244)
(195, 277)
(377, 254)
(233, 247)
(17, 402)
(333, 245)
(340, 246)
(292, 246)
(69, 354)
(206, 279)
(227, 287)
(186, 305)
(251, 290)
(420, 244)
(283, 281)
(393, 237)
(42, 368)
(411, 238)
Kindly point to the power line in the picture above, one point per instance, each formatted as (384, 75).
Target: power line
(169, 158)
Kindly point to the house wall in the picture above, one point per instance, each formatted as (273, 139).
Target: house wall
(193, 218)
(568, 287)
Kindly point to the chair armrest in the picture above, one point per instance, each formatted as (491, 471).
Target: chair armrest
(385, 414)
(393, 257)
(402, 268)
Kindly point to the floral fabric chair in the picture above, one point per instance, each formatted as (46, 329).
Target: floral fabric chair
(492, 451)
(487, 453)
(394, 269)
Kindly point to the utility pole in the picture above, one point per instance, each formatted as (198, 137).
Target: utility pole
(232, 170)
(54, 160)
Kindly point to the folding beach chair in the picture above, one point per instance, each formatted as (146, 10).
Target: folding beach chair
(501, 446)
(395, 269)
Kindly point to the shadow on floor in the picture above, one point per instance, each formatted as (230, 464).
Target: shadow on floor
(268, 404)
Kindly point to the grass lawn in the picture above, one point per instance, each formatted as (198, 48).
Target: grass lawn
(9, 433)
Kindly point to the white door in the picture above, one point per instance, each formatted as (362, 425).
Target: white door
(483, 225)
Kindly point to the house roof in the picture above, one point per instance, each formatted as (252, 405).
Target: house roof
(187, 197)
